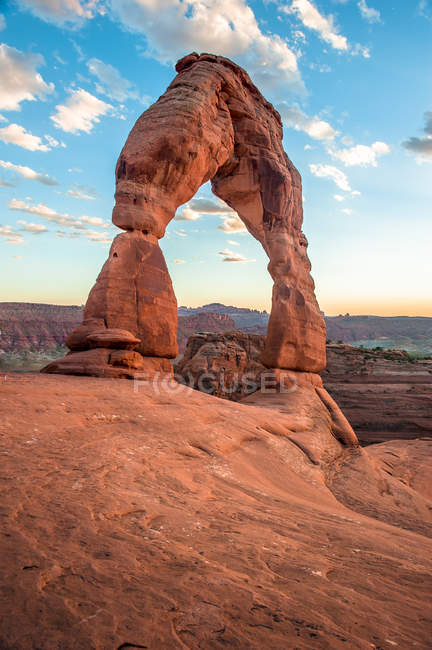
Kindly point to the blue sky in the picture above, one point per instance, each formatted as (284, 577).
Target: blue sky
(351, 79)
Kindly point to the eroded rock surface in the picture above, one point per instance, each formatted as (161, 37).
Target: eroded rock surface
(148, 519)
(225, 365)
(384, 394)
(212, 123)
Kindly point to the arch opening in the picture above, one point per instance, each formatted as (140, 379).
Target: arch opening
(212, 258)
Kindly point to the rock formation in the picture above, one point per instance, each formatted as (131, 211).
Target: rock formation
(213, 124)
(201, 322)
(226, 365)
(384, 393)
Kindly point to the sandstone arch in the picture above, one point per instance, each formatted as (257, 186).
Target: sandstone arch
(213, 124)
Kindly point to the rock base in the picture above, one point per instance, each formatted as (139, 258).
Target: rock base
(103, 362)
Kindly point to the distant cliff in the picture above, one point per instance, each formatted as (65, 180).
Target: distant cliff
(31, 333)
(202, 322)
(37, 328)
(412, 333)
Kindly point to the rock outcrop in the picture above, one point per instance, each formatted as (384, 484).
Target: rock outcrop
(384, 394)
(213, 124)
(228, 365)
(225, 365)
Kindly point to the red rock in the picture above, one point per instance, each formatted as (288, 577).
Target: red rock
(226, 365)
(77, 339)
(127, 359)
(385, 394)
(233, 137)
(180, 520)
(134, 292)
(102, 362)
(212, 123)
(202, 322)
(112, 338)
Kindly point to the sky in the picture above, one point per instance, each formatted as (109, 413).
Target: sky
(352, 80)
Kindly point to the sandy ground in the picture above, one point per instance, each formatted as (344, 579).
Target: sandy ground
(154, 519)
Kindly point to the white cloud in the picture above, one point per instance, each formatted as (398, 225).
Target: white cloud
(35, 228)
(361, 155)
(66, 220)
(361, 50)
(80, 112)
(16, 134)
(94, 221)
(91, 235)
(233, 243)
(369, 13)
(28, 173)
(82, 192)
(179, 261)
(316, 128)
(324, 25)
(53, 142)
(181, 233)
(63, 12)
(232, 223)
(187, 214)
(230, 256)
(100, 237)
(111, 83)
(228, 27)
(199, 206)
(11, 236)
(332, 173)
(2, 22)
(347, 211)
(19, 78)
(338, 197)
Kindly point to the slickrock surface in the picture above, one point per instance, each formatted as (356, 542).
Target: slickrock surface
(384, 394)
(213, 124)
(181, 520)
